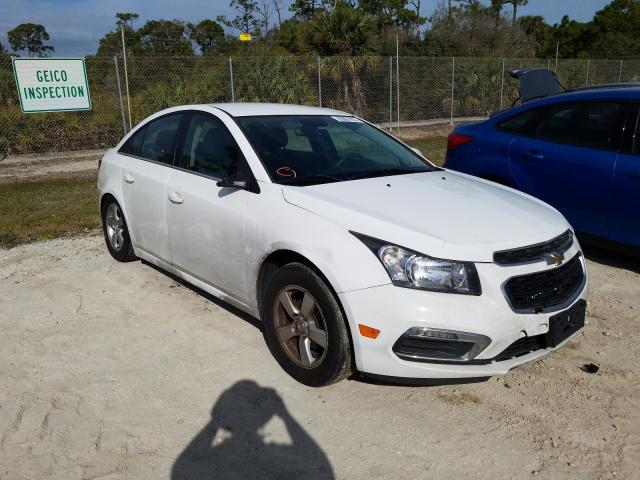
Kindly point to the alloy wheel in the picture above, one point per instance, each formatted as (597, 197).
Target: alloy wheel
(301, 327)
(115, 227)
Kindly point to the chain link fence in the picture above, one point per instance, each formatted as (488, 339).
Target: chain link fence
(386, 90)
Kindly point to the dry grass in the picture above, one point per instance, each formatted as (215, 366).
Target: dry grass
(434, 148)
(48, 208)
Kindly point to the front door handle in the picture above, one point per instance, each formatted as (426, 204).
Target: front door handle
(634, 176)
(129, 178)
(175, 197)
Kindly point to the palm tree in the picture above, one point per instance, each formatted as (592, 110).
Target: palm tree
(515, 4)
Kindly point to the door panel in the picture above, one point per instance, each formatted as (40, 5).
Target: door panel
(149, 154)
(569, 162)
(624, 218)
(207, 230)
(207, 223)
(144, 188)
(623, 224)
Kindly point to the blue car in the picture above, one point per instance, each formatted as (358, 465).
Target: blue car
(578, 151)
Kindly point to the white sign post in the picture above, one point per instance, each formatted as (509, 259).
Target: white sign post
(52, 84)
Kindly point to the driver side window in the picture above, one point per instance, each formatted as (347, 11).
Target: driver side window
(209, 147)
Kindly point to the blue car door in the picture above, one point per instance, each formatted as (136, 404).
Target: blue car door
(623, 224)
(568, 160)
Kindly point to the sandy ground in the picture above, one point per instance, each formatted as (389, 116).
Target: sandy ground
(117, 371)
(33, 167)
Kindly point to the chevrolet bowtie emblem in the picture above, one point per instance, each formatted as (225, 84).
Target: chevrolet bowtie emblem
(554, 258)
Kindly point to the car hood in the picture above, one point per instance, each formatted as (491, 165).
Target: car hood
(443, 214)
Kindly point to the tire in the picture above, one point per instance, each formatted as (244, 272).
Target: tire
(116, 232)
(321, 359)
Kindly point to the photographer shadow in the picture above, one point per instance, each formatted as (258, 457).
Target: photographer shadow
(231, 445)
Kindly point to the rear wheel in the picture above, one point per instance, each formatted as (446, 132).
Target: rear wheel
(116, 233)
(304, 327)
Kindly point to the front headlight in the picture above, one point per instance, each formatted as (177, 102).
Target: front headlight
(410, 269)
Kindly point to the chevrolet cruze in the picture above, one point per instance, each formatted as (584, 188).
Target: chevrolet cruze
(354, 251)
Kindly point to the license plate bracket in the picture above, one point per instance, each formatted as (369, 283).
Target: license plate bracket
(565, 324)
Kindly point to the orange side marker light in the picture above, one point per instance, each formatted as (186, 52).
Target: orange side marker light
(368, 332)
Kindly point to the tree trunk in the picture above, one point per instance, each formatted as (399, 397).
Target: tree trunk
(515, 14)
(278, 13)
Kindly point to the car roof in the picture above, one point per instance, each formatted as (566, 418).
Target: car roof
(262, 109)
(594, 92)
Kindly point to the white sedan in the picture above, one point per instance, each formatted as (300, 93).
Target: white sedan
(356, 253)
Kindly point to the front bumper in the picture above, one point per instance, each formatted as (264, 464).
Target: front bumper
(394, 310)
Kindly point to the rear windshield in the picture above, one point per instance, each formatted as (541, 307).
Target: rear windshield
(304, 150)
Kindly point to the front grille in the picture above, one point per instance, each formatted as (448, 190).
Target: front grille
(560, 244)
(542, 290)
(521, 347)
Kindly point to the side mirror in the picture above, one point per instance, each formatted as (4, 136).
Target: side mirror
(231, 183)
(417, 151)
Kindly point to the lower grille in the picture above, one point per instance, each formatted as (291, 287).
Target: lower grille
(422, 349)
(522, 347)
(537, 292)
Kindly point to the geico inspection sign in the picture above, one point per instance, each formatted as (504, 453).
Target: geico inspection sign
(52, 84)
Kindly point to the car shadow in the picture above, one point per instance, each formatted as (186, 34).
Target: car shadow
(611, 258)
(232, 444)
(220, 303)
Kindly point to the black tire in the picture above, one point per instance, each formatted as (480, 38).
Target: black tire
(123, 250)
(334, 364)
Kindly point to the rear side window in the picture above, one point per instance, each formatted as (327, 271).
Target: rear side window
(160, 137)
(133, 146)
(594, 125)
(523, 123)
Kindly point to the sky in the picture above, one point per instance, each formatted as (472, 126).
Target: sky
(75, 26)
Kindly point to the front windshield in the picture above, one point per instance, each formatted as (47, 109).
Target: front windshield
(305, 150)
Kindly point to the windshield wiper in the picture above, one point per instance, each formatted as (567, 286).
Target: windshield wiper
(312, 179)
(386, 172)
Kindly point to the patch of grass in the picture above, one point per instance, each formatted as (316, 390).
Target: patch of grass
(434, 148)
(45, 209)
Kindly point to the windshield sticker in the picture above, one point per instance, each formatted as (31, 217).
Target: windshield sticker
(347, 119)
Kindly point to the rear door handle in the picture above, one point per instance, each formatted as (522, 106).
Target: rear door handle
(128, 178)
(533, 155)
(175, 197)
(633, 176)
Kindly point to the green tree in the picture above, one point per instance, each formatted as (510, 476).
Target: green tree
(125, 20)
(111, 43)
(616, 30)
(306, 9)
(246, 20)
(30, 38)
(207, 34)
(471, 31)
(165, 37)
(539, 31)
(3, 50)
(390, 13)
(343, 31)
(515, 4)
(575, 39)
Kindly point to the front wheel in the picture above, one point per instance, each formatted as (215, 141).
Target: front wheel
(304, 327)
(116, 233)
